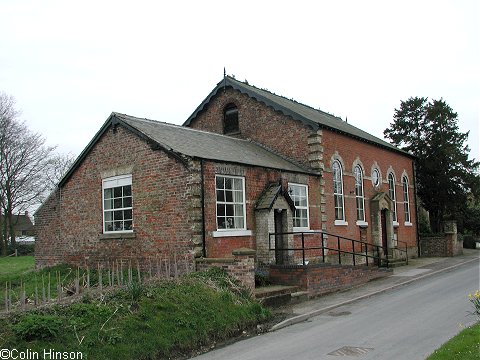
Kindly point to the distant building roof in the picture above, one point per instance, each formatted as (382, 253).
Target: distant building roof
(23, 223)
(312, 117)
(183, 141)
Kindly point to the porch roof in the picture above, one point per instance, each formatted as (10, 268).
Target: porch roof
(270, 194)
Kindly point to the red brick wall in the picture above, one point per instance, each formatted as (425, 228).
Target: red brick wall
(257, 122)
(324, 278)
(349, 150)
(241, 266)
(256, 180)
(289, 137)
(166, 206)
(47, 224)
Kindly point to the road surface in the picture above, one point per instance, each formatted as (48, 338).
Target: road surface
(406, 323)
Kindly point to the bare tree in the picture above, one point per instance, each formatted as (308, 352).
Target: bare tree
(24, 162)
(59, 165)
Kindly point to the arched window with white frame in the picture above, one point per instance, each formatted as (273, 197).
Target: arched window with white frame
(359, 195)
(338, 191)
(391, 192)
(406, 199)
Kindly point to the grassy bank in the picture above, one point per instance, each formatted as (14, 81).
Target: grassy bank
(464, 346)
(153, 321)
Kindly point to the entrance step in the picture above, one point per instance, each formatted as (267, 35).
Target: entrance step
(394, 263)
(278, 295)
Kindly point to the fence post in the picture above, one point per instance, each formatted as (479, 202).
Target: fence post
(406, 252)
(323, 249)
(303, 248)
(366, 252)
(353, 251)
(6, 296)
(338, 250)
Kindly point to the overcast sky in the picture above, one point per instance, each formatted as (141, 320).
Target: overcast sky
(70, 64)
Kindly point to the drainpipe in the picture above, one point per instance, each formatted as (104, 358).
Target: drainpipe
(204, 249)
(416, 207)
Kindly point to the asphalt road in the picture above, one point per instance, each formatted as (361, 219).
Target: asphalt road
(406, 323)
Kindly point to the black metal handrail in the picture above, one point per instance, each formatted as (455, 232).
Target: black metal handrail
(363, 245)
(405, 251)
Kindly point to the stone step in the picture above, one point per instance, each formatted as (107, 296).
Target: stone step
(278, 295)
(395, 263)
(273, 290)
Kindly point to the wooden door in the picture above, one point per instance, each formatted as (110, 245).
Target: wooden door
(279, 237)
(384, 230)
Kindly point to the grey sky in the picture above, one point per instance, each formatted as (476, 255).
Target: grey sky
(70, 64)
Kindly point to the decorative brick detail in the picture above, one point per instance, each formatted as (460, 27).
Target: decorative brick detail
(315, 150)
(241, 266)
(324, 278)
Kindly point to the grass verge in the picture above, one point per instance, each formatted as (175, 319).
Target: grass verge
(13, 267)
(161, 320)
(464, 346)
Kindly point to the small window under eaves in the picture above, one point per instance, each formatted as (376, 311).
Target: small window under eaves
(230, 120)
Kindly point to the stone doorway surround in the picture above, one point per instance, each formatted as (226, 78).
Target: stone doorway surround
(382, 202)
(273, 199)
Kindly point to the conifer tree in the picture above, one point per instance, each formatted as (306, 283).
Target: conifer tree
(444, 173)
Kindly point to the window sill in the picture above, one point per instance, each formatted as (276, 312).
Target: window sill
(396, 224)
(408, 223)
(301, 229)
(341, 223)
(362, 223)
(228, 233)
(117, 236)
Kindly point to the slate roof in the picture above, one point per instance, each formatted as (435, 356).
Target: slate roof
(269, 195)
(181, 141)
(314, 118)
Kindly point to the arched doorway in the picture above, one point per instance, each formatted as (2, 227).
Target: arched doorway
(382, 221)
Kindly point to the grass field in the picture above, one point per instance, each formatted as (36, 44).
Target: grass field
(464, 346)
(14, 267)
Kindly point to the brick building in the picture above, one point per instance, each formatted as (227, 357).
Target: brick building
(246, 163)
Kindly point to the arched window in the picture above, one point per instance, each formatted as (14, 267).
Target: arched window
(391, 192)
(406, 199)
(360, 199)
(230, 119)
(338, 190)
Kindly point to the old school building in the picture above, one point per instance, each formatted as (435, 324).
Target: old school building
(245, 165)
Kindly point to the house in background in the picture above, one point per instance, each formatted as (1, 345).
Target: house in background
(247, 163)
(23, 225)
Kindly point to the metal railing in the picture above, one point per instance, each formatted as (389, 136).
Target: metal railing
(402, 250)
(379, 254)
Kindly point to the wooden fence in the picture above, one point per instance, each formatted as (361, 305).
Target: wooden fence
(56, 287)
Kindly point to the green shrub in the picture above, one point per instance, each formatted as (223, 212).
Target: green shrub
(22, 249)
(35, 326)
